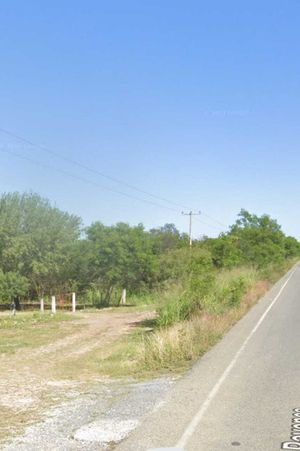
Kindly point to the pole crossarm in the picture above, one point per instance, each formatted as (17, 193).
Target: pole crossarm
(191, 214)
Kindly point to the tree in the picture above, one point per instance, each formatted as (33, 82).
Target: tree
(224, 250)
(35, 240)
(12, 284)
(166, 238)
(260, 240)
(292, 247)
(122, 256)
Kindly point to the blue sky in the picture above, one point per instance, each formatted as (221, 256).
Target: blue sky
(196, 102)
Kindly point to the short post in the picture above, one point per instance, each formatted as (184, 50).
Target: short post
(42, 305)
(53, 304)
(73, 302)
(123, 297)
(13, 308)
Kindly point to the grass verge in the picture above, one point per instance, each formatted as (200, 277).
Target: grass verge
(31, 330)
(153, 350)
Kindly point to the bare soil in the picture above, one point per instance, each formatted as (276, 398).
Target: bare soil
(29, 383)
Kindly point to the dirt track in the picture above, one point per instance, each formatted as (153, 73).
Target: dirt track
(29, 382)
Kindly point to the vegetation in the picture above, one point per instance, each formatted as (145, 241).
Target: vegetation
(45, 251)
(196, 292)
(36, 241)
(30, 330)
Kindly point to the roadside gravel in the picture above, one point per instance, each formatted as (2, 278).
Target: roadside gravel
(97, 419)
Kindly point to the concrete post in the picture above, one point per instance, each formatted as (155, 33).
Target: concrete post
(53, 304)
(73, 302)
(123, 298)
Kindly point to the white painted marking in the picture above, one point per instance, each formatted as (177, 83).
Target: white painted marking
(189, 431)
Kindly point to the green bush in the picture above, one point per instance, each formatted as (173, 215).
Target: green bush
(197, 283)
(234, 292)
(12, 284)
(94, 296)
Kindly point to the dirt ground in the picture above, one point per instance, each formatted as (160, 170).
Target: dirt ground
(31, 378)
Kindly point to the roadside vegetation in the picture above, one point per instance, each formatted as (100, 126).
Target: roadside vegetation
(197, 293)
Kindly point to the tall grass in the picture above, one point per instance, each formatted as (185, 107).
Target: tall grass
(182, 342)
(214, 292)
(229, 288)
(165, 346)
(178, 341)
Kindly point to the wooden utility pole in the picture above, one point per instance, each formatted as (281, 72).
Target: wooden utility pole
(191, 214)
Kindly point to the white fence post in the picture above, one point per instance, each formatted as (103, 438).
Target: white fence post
(73, 302)
(42, 305)
(123, 298)
(53, 304)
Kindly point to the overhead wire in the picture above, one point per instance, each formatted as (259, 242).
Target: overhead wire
(99, 173)
(213, 219)
(89, 169)
(209, 225)
(82, 179)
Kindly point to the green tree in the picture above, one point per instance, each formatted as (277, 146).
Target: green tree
(260, 240)
(35, 240)
(122, 256)
(292, 247)
(167, 238)
(12, 284)
(224, 250)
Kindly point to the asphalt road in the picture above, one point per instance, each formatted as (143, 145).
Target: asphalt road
(242, 394)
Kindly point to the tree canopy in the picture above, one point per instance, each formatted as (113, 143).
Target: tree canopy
(35, 242)
(44, 251)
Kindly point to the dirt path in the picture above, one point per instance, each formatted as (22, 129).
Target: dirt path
(29, 384)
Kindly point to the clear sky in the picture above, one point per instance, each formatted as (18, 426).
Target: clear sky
(193, 101)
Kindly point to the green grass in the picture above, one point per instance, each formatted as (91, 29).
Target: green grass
(31, 330)
(215, 292)
(130, 308)
(143, 299)
(153, 349)
(232, 295)
(229, 288)
(118, 359)
(150, 348)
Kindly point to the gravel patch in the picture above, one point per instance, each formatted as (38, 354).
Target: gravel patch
(106, 431)
(96, 419)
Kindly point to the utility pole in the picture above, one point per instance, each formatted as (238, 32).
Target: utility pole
(191, 214)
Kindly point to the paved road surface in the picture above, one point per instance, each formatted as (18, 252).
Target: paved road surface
(241, 394)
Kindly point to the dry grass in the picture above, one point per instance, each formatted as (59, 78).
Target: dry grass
(40, 350)
(31, 330)
(176, 347)
(46, 358)
(148, 352)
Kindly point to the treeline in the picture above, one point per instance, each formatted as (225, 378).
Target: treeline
(45, 251)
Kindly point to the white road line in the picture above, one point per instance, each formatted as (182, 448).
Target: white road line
(189, 431)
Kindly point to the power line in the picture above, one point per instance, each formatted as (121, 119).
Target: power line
(191, 214)
(101, 174)
(90, 182)
(89, 169)
(82, 179)
(216, 220)
(210, 225)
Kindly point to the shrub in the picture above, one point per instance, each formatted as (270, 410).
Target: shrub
(194, 288)
(12, 284)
